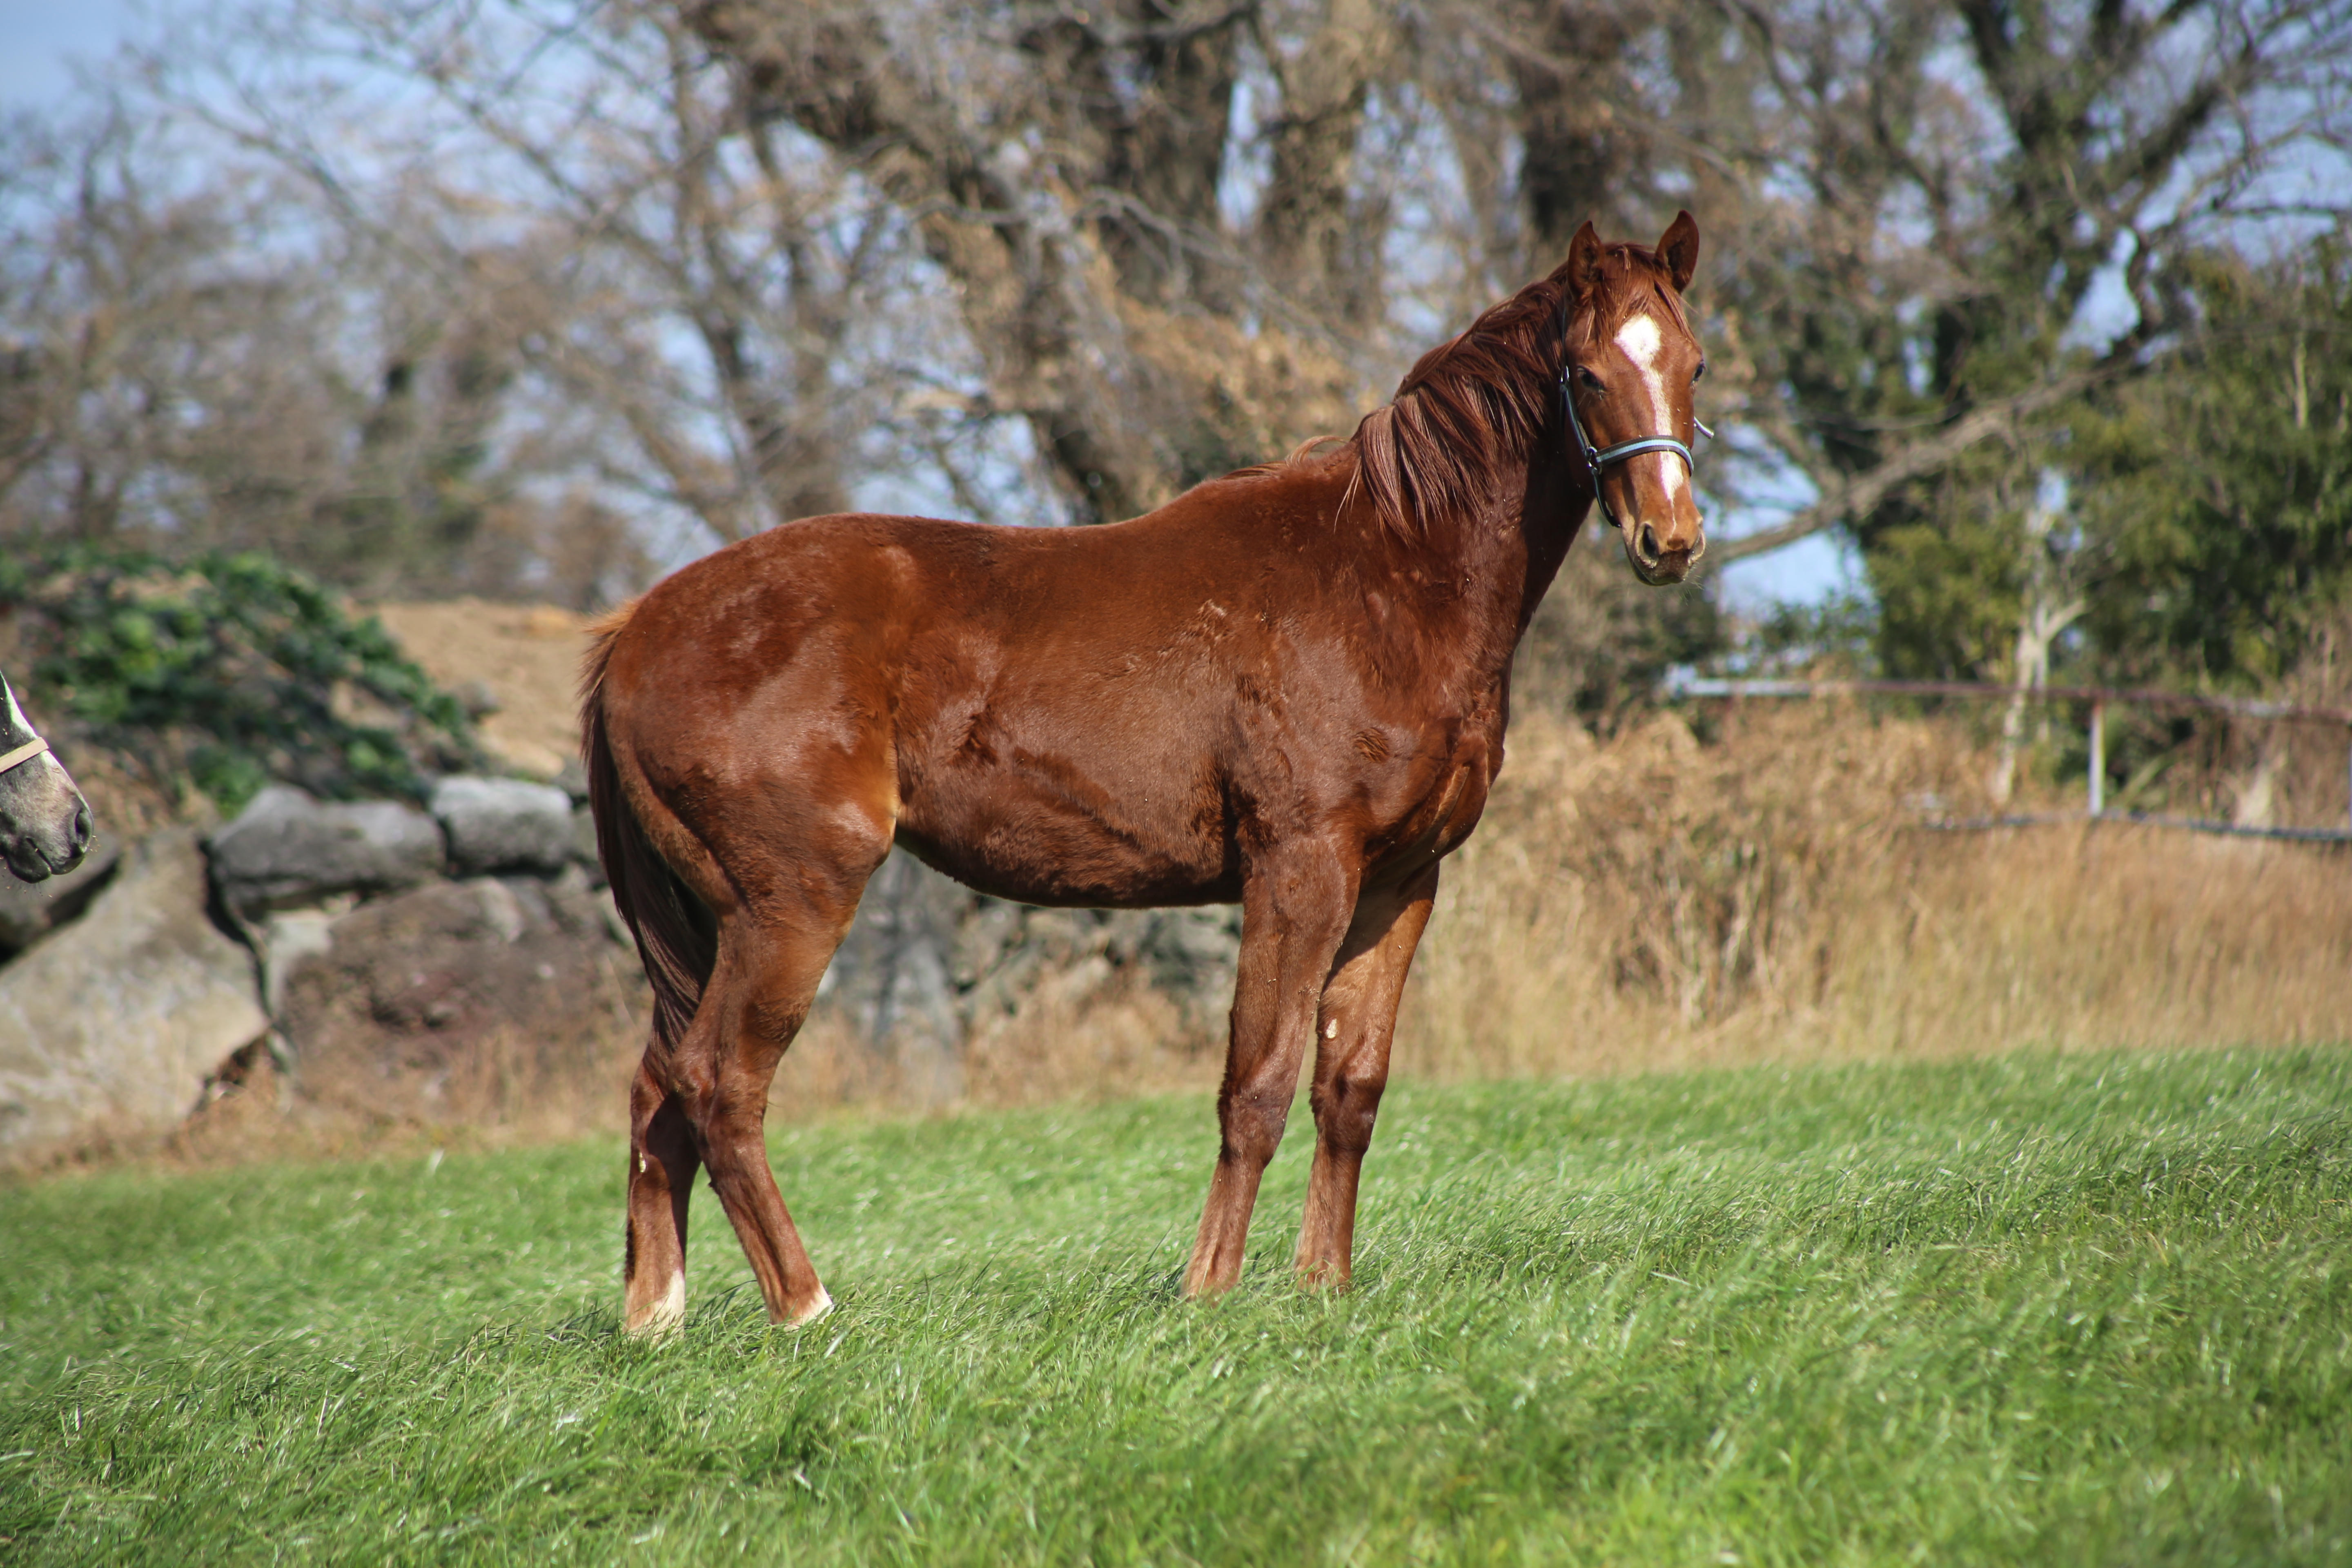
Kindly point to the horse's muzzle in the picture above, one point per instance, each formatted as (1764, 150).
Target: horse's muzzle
(1659, 561)
(53, 845)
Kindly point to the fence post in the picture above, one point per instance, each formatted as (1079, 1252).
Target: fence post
(2098, 757)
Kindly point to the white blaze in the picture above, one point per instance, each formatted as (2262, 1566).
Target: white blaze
(1641, 339)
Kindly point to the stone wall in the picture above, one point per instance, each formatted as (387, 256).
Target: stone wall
(379, 953)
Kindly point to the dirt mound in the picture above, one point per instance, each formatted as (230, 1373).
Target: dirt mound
(524, 659)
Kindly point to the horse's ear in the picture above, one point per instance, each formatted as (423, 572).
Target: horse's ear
(1583, 267)
(1679, 250)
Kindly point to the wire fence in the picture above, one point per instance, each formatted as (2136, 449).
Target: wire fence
(1685, 686)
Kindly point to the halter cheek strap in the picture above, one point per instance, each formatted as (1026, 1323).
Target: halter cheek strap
(1597, 458)
(24, 753)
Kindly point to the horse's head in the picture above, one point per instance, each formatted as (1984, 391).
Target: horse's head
(44, 821)
(1628, 377)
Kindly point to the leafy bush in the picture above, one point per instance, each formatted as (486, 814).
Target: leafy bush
(227, 670)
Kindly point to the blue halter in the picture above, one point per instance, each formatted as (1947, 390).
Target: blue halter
(1599, 458)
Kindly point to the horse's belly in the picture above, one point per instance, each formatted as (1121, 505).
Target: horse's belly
(1041, 847)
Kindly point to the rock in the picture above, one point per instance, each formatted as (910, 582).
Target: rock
(894, 973)
(286, 937)
(927, 960)
(30, 910)
(504, 825)
(286, 849)
(1193, 956)
(407, 996)
(1006, 953)
(108, 1030)
(584, 843)
(478, 700)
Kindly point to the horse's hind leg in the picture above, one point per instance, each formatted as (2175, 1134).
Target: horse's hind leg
(765, 981)
(704, 1105)
(1355, 1027)
(662, 1162)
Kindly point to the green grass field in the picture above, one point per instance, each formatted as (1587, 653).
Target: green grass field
(2038, 1308)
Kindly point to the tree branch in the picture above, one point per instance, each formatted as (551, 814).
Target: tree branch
(1858, 495)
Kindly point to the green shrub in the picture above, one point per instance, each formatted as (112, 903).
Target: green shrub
(224, 671)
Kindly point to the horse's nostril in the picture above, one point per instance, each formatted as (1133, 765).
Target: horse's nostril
(1645, 546)
(81, 828)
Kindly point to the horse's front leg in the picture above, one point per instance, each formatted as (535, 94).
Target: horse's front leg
(1357, 1024)
(1295, 911)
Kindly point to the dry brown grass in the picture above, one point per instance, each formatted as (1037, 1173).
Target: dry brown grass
(1659, 903)
(1655, 902)
(506, 1090)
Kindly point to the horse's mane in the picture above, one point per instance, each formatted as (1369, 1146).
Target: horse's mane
(1479, 402)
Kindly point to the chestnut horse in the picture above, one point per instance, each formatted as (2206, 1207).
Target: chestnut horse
(44, 821)
(1287, 686)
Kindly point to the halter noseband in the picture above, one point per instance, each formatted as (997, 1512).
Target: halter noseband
(1597, 458)
(30, 749)
(22, 755)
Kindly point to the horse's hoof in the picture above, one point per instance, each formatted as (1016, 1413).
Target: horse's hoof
(815, 1309)
(664, 1317)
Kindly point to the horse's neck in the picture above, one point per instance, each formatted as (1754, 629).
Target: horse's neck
(1551, 512)
(1496, 559)
(1514, 545)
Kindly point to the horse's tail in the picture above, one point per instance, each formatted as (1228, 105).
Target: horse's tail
(675, 945)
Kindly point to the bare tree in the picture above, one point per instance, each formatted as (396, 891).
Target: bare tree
(743, 260)
(715, 310)
(1964, 175)
(194, 361)
(1911, 200)
(1063, 167)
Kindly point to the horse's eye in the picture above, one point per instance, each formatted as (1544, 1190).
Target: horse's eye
(1589, 380)
(1699, 372)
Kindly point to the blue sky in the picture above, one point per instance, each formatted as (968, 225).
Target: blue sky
(1804, 573)
(40, 38)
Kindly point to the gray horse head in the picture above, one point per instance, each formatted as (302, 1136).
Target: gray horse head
(44, 821)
